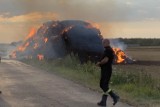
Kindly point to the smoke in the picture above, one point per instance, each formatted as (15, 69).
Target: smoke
(56, 39)
(6, 49)
(118, 44)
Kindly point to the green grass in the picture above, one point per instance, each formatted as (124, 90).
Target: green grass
(133, 83)
(136, 84)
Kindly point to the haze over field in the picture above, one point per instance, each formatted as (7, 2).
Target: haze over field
(116, 18)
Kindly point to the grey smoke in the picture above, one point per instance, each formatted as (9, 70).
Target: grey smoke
(118, 44)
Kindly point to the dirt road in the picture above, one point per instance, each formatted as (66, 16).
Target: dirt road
(25, 86)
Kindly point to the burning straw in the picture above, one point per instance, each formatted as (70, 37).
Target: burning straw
(56, 39)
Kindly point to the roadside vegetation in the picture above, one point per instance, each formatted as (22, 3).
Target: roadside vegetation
(133, 83)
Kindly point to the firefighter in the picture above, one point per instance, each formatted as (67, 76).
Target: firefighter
(106, 71)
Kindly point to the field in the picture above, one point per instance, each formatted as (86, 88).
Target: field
(147, 61)
(138, 84)
(148, 58)
(144, 53)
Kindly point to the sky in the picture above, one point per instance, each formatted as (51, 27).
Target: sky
(116, 18)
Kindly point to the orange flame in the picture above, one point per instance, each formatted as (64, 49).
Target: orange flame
(23, 48)
(120, 55)
(45, 40)
(31, 34)
(96, 25)
(40, 57)
(67, 29)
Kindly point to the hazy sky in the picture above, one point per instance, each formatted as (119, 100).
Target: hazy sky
(117, 18)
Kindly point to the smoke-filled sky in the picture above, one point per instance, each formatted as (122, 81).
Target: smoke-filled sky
(116, 18)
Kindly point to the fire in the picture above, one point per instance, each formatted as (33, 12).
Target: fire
(53, 38)
(40, 57)
(45, 40)
(31, 34)
(120, 55)
(23, 48)
(67, 29)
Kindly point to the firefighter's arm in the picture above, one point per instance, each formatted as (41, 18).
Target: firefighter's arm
(103, 61)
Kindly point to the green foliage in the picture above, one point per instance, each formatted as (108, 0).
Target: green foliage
(138, 86)
(126, 77)
(73, 62)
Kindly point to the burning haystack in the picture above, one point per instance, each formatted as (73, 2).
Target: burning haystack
(56, 39)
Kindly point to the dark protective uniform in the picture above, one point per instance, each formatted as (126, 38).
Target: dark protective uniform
(106, 69)
(106, 72)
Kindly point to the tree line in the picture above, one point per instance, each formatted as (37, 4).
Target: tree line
(141, 41)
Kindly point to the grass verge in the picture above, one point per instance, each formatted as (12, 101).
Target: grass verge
(134, 85)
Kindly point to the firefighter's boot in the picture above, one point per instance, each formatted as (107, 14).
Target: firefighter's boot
(114, 97)
(103, 101)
